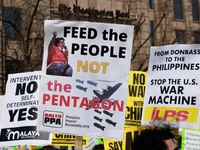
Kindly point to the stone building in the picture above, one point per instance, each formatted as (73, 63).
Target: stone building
(156, 22)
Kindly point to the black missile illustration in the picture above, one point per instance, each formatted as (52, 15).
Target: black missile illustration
(108, 113)
(79, 81)
(111, 122)
(97, 118)
(81, 88)
(99, 126)
(97, 111)
(91, 83)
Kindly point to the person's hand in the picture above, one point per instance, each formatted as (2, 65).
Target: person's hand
(66, 51)
(55, 33)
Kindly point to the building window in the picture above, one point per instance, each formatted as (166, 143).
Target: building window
(180, 36)
(14, 66)
(152, 36)
(178, 13)
(10, 15)
(195, 9)
(150, 4)
(197, 37)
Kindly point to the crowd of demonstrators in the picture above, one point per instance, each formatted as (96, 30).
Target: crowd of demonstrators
(98, 147)
(48, 147)
(150, 138)
(155, 139)
(57, 59)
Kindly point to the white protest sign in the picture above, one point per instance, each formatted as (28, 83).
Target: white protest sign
(89, 97)
(172, 89)
(6, 148)
(190, 139)
(91, 143)
(18, 124)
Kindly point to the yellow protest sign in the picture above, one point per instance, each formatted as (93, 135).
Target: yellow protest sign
(33, 147)
(135, 98)
(67, 140)
(129, 134)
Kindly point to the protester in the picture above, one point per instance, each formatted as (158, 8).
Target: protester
(57, 60)
(48, 147)
(155, 139)
(98, 147)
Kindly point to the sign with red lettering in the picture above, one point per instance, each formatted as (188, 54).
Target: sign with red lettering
(18, 124)
(173, 85)
(85, 76)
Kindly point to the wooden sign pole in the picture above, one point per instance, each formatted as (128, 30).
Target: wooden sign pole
(78, 142)
(22, 147)
(69, 148)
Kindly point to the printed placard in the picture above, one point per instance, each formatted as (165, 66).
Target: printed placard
(91, 143)
(18, 124)
(129, 134)
(190, 139)
(85, 78)
(67, 140)
(172, 90)
(136, 91)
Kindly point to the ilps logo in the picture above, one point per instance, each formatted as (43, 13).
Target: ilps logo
(172, 114)
(53, 119)
(179, 115)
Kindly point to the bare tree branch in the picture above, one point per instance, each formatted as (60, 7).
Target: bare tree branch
(137, 27)
(30, 25)
(15, 28)
(141, 65)
(147, 38)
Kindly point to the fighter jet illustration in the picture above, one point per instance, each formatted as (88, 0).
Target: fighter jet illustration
(106, 92)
